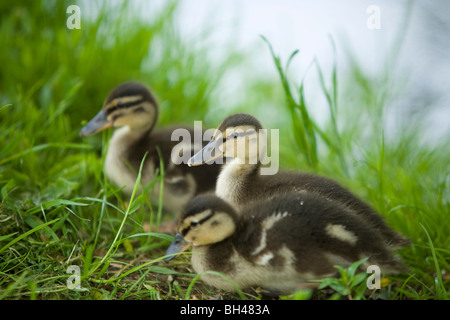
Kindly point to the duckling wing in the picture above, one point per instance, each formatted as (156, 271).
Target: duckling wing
(295, 182)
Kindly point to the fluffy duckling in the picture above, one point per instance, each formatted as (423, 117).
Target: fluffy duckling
(239, 139)
(278, 244)
(132, 107)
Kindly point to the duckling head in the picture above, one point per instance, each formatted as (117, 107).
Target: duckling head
(206, 220)
(130, 104)
(238, 136)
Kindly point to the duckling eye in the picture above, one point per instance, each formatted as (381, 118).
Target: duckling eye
(194, 223)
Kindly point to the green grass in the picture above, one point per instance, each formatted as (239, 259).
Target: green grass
(57, 208)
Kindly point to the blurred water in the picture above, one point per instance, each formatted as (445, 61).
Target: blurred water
(424, 58)
(423, 62)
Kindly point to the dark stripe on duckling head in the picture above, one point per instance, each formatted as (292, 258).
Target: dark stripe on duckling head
(131, 89)
(195, 223)
(239, 133)
(239, 119)
(124, 105)
(205, 202)
(139, 109)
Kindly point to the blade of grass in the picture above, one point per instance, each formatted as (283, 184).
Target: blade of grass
(13, 285)
(26, 234)
(231, 281)
(99, 225)
(137, 282)
(119, 231)
(5, 106)
(161, 188)
(153, 234)
(302, 124)
(331, 96)
(46, 146)
(134, 270)
(3, 238)
(440, 288)
(54, 203)
(103, 201)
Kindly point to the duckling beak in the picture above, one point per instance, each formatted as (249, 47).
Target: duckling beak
(178, 245)
(209, 153)
(96, 124)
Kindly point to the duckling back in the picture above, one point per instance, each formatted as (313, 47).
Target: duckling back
(254, 187)
(282, 243)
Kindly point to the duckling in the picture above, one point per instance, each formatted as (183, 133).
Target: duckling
(133, 107)
(277, 244)
(240, 180)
